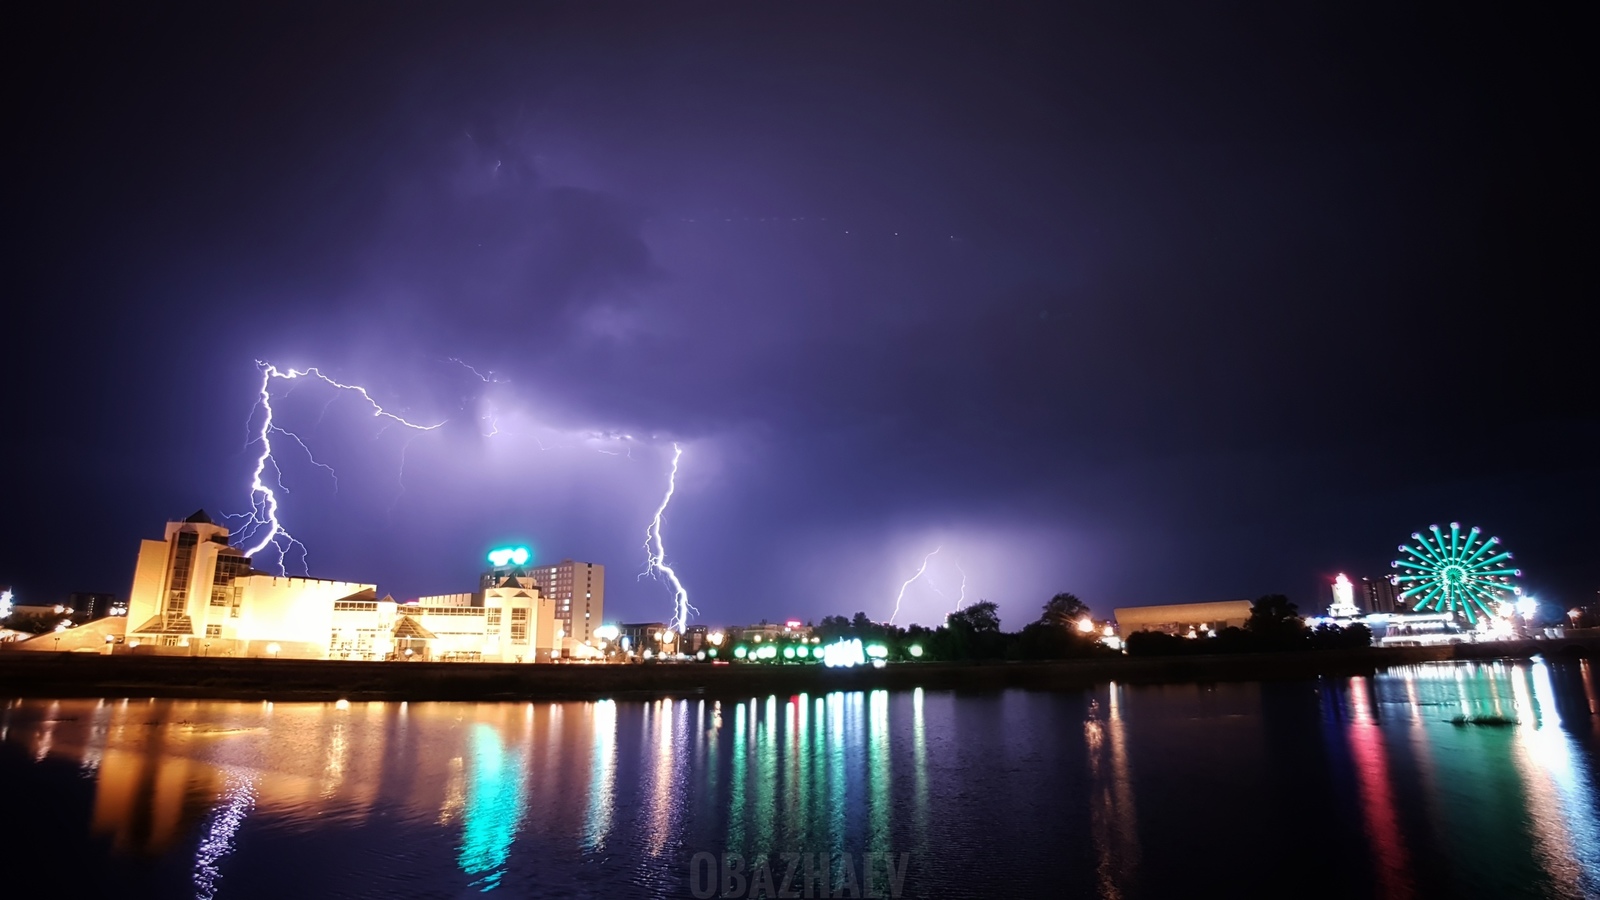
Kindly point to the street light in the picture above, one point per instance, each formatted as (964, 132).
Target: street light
(273, 649)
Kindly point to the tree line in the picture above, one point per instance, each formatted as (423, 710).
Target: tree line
(974, 633)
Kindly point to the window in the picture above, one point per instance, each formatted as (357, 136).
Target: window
(178, 583)
(494, 617)
(519, 634)
(169, 640)
(213, 631)
(519, 615)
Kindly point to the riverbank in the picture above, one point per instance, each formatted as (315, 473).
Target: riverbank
(79, 675)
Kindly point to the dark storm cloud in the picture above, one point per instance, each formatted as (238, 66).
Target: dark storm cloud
(1176, 306)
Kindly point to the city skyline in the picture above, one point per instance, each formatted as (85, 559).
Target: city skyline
(1163, 326)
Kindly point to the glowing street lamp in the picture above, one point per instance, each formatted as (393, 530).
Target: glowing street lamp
(916, 650)
(1085, 625)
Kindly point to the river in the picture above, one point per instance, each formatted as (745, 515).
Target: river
(1447, 780)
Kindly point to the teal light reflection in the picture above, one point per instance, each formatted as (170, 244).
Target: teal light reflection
(766, 781)
(493, 810)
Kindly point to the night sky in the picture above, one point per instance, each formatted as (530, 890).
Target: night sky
(1142, 302)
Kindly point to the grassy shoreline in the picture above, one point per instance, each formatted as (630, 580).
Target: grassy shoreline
(64, 675)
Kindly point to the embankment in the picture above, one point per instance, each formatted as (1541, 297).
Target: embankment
(37, 674)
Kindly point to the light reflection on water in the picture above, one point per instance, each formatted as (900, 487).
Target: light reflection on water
(1122, 791)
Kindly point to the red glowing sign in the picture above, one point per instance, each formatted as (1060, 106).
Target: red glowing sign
(792, 623)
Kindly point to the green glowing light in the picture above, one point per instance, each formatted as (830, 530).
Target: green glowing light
(1451, 575)
(877, 651)
(741, 652)
(916, 650)
(788, 653)
(510, 556)
(492, 809)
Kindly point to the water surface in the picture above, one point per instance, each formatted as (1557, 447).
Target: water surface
(1351, 787)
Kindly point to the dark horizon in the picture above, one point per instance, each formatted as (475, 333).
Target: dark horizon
(1150, 308)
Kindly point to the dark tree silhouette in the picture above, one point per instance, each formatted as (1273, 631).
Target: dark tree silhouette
(1064, 610)
(982, 617)
(1275, 622)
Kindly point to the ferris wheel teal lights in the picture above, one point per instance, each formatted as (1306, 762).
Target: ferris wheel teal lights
(1458, 572)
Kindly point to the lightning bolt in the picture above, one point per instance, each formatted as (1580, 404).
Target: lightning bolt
(961, 600)
(486, 379)
(656, 554)
(902, 594)
(262, 526)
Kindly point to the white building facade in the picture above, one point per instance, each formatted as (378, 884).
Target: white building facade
(195, 595)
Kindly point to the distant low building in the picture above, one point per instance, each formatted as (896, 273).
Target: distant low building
(1183, 618)
(654, 638)
(791, 630)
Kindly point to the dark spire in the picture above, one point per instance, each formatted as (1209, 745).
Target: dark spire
(199, 518)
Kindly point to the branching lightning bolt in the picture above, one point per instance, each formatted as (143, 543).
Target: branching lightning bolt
(656, 554)
(262, 527)
(961, 600)
(902, 594)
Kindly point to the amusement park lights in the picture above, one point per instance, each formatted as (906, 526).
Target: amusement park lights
(1454, 573)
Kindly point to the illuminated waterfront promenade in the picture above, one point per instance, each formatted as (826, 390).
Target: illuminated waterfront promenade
(80, 675)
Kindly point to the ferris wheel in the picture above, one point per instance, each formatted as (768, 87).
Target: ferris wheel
(1454, 572)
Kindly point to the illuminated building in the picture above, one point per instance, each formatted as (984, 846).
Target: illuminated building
(1183, 618)
(579, 592)
(1344, 599)
(195, 595)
